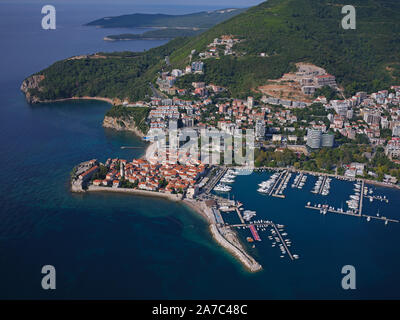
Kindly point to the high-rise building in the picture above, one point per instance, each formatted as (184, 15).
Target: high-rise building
(250, 102)
(260, 129)
(314, 137)
(328, 140)
(197, 66)
(396, 130)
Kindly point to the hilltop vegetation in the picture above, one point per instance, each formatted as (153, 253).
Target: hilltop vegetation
(137, 114)
(291, 31)
(168, 33)
(199, 20)
(288, 31)
(122, 75)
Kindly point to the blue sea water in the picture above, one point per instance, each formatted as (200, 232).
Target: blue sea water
(121, 246)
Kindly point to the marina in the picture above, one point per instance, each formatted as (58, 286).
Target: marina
(254, 229)
(277, 235)
(325, 208)
(299, 181)
(276, 185)
(322, 186)
(355, 204)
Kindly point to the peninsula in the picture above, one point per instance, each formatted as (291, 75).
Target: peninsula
(319, 99)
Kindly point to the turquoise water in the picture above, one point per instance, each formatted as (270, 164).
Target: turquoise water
(121, 246)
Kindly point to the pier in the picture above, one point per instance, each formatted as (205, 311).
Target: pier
(263, 224)
(278, 185)
(218, 216)
(282, 241)
(127, 147)
(379, 198)
(296, 185)
(239, 215)
(349, 213)
(213, 182)
(361, 198)
(321, 188)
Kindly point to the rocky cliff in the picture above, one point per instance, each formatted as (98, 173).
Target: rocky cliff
(122, 124)
(32, 82)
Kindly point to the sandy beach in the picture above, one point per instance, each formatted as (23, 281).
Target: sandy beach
(233, 246)
(172, 197)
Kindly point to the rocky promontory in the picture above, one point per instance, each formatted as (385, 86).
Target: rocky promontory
(121, 124)
(32, 82)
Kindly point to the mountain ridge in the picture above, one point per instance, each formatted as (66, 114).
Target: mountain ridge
(287, 31)
(201, 20)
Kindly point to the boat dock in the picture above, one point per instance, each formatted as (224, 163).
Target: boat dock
(377, 198)
(128, 147)
(239, 215)
(350, 213)
(282, 241)
(254, 233)
(278, 185)
(296, 185)
(321, 188)
(218, 216)
(361, 198)
(213, 182)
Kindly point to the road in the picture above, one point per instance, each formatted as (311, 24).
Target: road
(156, 93)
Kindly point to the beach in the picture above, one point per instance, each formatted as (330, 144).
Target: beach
(233, 246)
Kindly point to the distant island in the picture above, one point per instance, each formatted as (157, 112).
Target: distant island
(200, 20)
(160, 34)
(167, 26)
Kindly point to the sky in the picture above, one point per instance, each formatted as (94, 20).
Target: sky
(221, 3)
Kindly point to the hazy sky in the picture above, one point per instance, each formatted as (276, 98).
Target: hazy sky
(221, 3)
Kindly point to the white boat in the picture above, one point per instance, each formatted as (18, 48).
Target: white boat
(227, 180)
(222, 188)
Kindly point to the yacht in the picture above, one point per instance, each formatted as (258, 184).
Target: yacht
(222, 188)
(227, 180)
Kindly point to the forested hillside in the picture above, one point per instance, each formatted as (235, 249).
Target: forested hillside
(288, 31)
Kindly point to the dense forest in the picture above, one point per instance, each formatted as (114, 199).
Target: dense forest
(168, 33)
(205, 19)
(291, 31)
(137, 114)
(288, 31)
(124, 75)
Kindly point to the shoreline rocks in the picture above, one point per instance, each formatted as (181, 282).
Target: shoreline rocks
(120, 124)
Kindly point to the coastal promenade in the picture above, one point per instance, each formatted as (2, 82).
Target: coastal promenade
(224, 236)
(248, 261)
(232, 245)
(172, 197)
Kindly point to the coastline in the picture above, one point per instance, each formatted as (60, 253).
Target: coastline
(172, 197)
(199, 207)
(316, 173)
(109, 100)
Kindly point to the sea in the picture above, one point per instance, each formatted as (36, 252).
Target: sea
(117, 246)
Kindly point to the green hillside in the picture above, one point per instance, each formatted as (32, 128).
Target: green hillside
(116, 75)
(202, 20)
(290, 31)
(169, 33)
